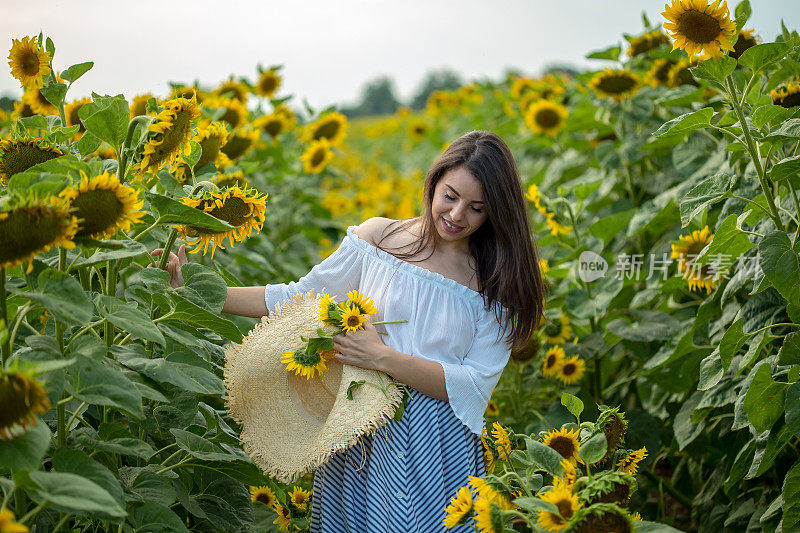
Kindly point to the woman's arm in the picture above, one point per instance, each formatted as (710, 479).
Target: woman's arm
(246, 301)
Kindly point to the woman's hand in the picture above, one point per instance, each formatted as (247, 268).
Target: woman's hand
(363, 348)
(174, 264)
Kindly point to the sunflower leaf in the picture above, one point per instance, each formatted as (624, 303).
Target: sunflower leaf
(62, 295)
(764, 400)
(781, 265)
(127, 317)
(25, 452)
(758, 57)
(785, 168)
(715, 71)
(106, 118)
(534, 505)
(686, 123)
(742, 12)
(611, 53)
(76, 71)
(74, 492)
(171, 211)
(709, 191)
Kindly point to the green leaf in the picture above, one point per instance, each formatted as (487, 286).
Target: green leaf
(193, 314)
(710, 371)
(769, 114)
(781, 265)
(144, 484)
(715, 71)
(643, 526)
(728, 244)
(73, 492)
(791, 498)
(155, 518)
(112, 439)
(534, 505)
(174, 212)
(185, 376)
(76, 71)
(573, 403)
(732, 341)
(789, 353)
(88, 143)
(62, 295)
(788, 130)
(686, 430)
(26, 451)
(611, 53)
(761, 55)
(100, 384)
(792, 408)
(686, 123)
(127, 317)
(55, 94)
(742, 13)
(710, 191)
(201, 448)
(207, 284)
(34, 122)
(764, 400)
(648, 326)
(544, 456)
(196, 151)
(106, 118)
(785, 168)
(119, 250)
(74, 461)
(594, 449)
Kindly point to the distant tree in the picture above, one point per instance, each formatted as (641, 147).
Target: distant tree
(7, 103)
(377, 98)
(435, 80)
(564, 68)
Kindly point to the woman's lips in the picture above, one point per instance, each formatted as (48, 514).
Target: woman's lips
(449, 228)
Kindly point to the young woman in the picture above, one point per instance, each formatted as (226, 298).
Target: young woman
(466, 277)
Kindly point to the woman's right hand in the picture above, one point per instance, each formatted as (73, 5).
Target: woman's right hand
(174, 264)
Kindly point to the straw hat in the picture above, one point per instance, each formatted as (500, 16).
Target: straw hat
(290, 424)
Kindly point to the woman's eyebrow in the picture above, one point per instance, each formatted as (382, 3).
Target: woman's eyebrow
(456, 193)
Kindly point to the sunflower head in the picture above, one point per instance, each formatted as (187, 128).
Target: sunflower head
(659, 73)
(240, 141)
(746, 40)
(304, 362)
(351, 318)
(22, 397)
(273, 124)
(21, 110)
(552, 360)
(608, 487)
(188, 92)
(284, 519)
(139, 104)
(642, 44)
(300, 498)
(232, 88)
(417, 128)
(567, 504)
(316, 156)
(786, 95)
(600, 517)
(211, 138)
(696, 25)
(492, 410)
(264, 495)
(613, 424)
(232, 179)
(459, 509)
(488, 516)
(268, 83)
(681, 75)
(571, 370)
(244, 209)
(8, 524)
(565, 442)
(489, 455)
(71, 112)
(616, 84)
(545, 117)
(103, 205)
(686, 250)
(331, 126)
(235, 112)
(29, 62)
(168, 134)
(557, 331)
(364, 304)
(18, 155)
(630, 463)
(493, 489)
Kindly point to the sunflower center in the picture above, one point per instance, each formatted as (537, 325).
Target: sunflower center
(264, 498)
(100, 209)
(234, 211)
(21, 157)
(662, 72)
(614, 431)
(564, 508)
(30, 63)
(548, 118)
(236, 146)
(21, 400)
(318, 157)
(616, 84)
(273, 127)
(232, 117)
(75, 119)
(564, 446)
(788, 100)
(173, 137)
(568, 369)
(328, 130)
(551, 360)
(353, 321)
(211, 147)
(552, 329)
(609, 522)
(699, 27)
(268, 84)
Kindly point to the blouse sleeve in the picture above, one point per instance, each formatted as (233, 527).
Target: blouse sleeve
(337, 274)
(470, 384)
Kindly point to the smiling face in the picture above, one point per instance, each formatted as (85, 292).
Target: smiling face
(458, 208)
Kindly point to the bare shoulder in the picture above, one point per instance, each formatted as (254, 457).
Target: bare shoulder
(372, 229)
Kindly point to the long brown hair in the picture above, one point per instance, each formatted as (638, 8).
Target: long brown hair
(503, 247)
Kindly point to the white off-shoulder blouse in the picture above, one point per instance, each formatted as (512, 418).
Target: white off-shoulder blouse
(447, 322)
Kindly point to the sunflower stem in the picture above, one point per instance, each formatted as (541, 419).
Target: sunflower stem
(167, 249)
(753, 152)
(111, 290)
(123, 151)
(6, 348)
(797, 208)
(60, 414)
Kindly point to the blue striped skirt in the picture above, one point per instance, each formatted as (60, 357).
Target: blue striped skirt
(402, 477)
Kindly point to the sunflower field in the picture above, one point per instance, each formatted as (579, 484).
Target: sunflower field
(660, 393)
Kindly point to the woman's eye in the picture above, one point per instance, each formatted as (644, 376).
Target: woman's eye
(477, 210)
(448, 196)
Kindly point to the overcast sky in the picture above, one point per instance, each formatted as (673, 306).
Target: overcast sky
(328, 48)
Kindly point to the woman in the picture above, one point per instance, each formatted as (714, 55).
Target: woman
(465, 276)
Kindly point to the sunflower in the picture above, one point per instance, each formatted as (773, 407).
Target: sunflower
(273, 124)
(331, 126)
(571, 370)
(316, 156)
(527, 352)
(565, 442)
(21, 110)
(556, 228)
(138, 105)
(629, 464)
(8, 525)
(696, 25)
(659, 73)
(787, 95)
(352, 319)
(38, 103)
(502, 440)
(284, 519)
(240, 141)
(545, 117)
(488, 516)
(268, 83)
(521, 86)
(686, 250)
(103, 205)
(491, 489)
(300, 497)
(644, 43)
(567, 504)
(211, 139)
(231, 179)
(71, 113)
(616, 84)
(614, 426)
(303, 363)
(106, 152)
(459, 509)
(232, 88)
(557, 332)
(3, 115)
(364, 303)
(20, 155)
(544, 267)
(746, 40)
(29, 62)
(241, 208)
(264, 495)
(552, 361)
(21, 397)
(168, 133)
(417, 128)
(33, 227)
(606, 517)
(535, 196)
(492, 410)
(235, 111)
(488, 453)
(569, 477)
(681, 75)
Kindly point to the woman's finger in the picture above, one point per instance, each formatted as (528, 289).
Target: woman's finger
(182, 255)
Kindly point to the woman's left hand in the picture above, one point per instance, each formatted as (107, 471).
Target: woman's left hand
(361, 348)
